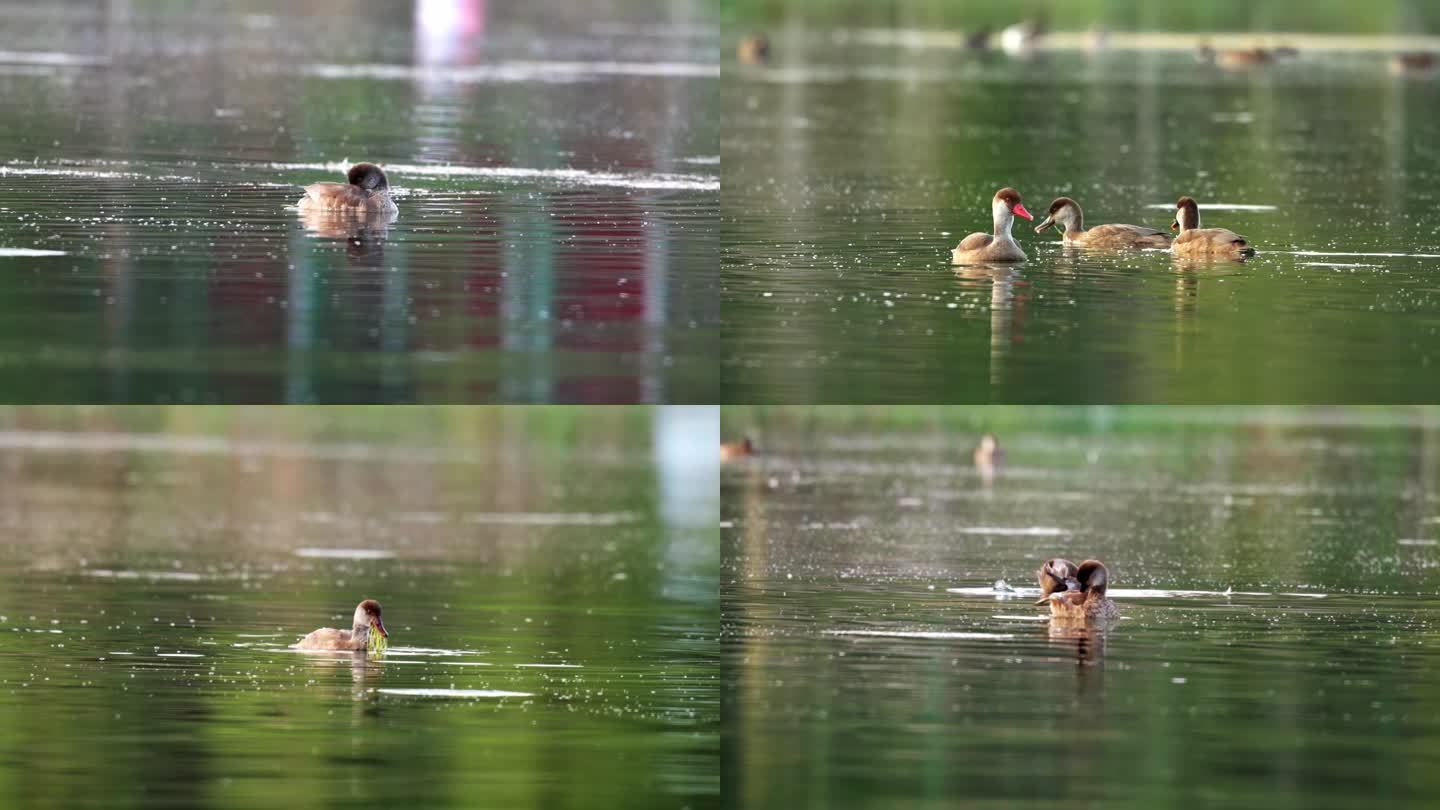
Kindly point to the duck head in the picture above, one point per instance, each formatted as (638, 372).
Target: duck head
(367, 617)
(1187, 215)
(1057, 575)
(1094, 578)
(1006, 205)
(1064, 212)
(369, 177)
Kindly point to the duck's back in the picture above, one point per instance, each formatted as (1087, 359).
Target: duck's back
(343, 197)
(1122, 236)
(1211, 242)
(328, 638)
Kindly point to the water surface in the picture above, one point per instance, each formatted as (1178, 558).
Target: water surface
(548, 581)
(556, 172)
(855, 162)
(1275, 574)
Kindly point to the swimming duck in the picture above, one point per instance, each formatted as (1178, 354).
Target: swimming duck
(1076, 593)
(1000, 246)
(1233, 59)
(366, 192)
(753, 50)
(1066, 213)
(1418, 63)
(1020, 38)
(729, 451)
(367, 620)
(988, 452)
(1197, 242)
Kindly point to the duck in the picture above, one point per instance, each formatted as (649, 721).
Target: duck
(1234, 59)
(753, 50)
(1020, 38)
(1066, 214)
(987, 452)
(978, 40)
(1000, 246)
(367, 191)
(1076, 593)
(729, 451)
(1196, 242)
(1418, 63)
(357, 638)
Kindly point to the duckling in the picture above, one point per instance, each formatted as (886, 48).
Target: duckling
(1066, 213)
(1076, 594)
(1204, 243)
(357, 638)
(366, 192)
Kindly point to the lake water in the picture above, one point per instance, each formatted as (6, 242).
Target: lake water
(555, 169)
(1275, 573)
(856, 160)
(548, 581)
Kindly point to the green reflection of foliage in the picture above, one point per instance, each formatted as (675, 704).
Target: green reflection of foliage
(1320, 16)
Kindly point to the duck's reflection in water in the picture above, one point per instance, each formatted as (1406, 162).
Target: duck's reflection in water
(366, 671)
(364, 233)
(1007, 307)
(1086, 639)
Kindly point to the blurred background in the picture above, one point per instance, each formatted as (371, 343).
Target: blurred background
(158, 562)
(863, 141)
(1275, 569)
(555, 166)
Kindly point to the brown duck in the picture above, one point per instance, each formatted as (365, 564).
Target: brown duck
(367, 621)
(1076, 593)
(1065, 214)
(1204, 243)
(367, 191)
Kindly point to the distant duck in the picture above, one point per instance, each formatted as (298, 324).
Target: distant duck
(1234, 59)
(367, 191)
(366, 621)
(753, 50)
(1066, 216)
(1204, 243)
(730, 451)
(1076, 593)
(987, 452)
(1022, 37)
(1419, 63)
(1097, 38)
(978, 40)
(999, 246)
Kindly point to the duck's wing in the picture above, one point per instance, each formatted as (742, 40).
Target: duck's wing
(334, 195)
(975, 241)
(326, 638)
(1127, 235)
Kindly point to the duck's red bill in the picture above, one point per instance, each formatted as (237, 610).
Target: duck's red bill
(379, 625)
(1020, 211)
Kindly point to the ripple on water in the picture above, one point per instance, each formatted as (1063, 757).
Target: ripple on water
(453, 693)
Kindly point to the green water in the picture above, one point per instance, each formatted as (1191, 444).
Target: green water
(157, 564)
(555, 169)
(852, 167)
(1307, 685)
